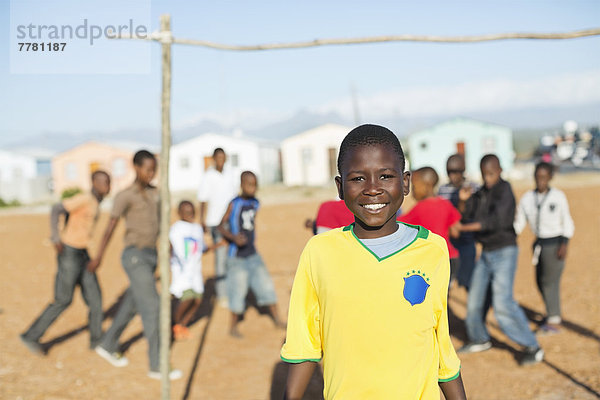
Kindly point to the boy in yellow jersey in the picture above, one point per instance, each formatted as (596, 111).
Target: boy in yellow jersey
(370, 299)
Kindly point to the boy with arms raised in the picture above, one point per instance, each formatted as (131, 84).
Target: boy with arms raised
(370, 298)
(465, 243)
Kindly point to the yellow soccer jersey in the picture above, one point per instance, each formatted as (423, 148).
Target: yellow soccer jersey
(380, 325)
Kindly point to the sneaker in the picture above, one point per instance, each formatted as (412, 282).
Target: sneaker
(475, 347)
(532, 355)
(32, 345)
(223, 302)
(181, 332)
(548, 329)
(116, 359)
(174, 374)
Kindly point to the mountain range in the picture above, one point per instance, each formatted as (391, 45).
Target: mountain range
(527, 124)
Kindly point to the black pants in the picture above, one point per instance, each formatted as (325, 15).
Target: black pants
(548, 272)
(71, 272)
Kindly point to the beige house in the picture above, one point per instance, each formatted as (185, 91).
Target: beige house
(73, 167)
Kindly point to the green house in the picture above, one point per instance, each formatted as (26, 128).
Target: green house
(474, 139)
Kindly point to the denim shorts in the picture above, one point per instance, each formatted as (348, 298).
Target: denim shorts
(248, 272)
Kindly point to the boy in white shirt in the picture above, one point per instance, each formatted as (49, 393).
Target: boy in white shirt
(218, 187)
(187, 246)
(547, 212)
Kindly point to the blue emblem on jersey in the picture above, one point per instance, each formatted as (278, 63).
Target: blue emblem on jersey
(415, 287)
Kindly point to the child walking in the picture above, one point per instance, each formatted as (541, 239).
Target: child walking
(71, 250)
(370, 299)
(547, 211)
(187, 246)
(245, 267)
(492, 208)
(139, 205)
(434, 213)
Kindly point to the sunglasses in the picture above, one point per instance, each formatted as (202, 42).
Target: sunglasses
(456, 171)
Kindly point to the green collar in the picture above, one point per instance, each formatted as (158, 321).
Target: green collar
(422, 233)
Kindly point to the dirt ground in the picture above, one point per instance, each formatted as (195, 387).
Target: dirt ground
(217, 366)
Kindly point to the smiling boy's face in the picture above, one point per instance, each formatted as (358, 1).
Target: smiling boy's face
(373, 186)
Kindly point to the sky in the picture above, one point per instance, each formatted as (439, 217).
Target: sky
(252, 89)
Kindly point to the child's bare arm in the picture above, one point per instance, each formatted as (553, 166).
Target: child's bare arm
(471, 227)
(454, 389)
(203, 215)
(298, 377)
(57, 210)
(110, 228)
(455, 229)
(238, 239)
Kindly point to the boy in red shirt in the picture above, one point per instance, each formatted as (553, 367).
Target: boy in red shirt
(434, 213)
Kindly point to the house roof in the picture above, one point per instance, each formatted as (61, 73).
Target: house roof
(231, 137)
(458, 120)
(317, 131)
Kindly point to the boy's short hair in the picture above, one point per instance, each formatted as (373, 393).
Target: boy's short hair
(544, 165)
(217, 151)
(140, 156)
(489, 158)
(99, 172)
(184, 203)
(247, 173)
(428, 174)
(369, 135)
(455, 157)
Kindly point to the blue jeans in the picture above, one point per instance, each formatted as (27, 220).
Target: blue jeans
(246, 272)
(72, 272)
(466, 253)
(142, 297)
(220, 264)
(497, 266)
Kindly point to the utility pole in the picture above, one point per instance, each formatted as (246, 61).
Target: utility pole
(165, 208)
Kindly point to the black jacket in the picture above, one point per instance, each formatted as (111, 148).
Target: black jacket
(494, 209)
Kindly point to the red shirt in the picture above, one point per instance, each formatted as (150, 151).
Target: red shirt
(334, 214)
(437, 215)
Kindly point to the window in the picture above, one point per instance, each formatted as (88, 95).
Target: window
(71, 171)
(234, 160)
(488, 145)
(306, 155)
(43, 167)
(184, 163)
(119, 167)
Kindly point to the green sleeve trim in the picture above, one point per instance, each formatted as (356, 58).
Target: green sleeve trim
(287, 360)
(451, 378)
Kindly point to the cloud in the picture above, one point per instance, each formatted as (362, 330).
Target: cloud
(429, 101)
(484, 96)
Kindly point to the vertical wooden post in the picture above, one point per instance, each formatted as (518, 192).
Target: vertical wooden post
(165, 210)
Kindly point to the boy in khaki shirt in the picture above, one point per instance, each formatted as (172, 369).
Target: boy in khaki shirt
(139, 205)
(81, 213)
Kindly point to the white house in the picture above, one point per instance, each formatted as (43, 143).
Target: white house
(189, 159)
(25, 175)
(432, 147)
(310, 158)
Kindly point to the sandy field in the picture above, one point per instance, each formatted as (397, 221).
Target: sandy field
(217, 366)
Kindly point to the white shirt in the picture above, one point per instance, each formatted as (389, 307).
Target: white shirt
(186, 260)
(553, 218)
(217, 189)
